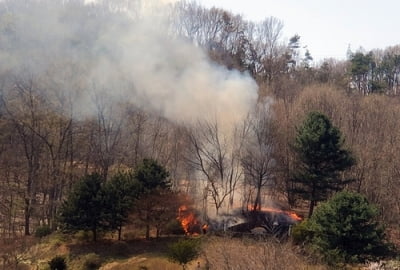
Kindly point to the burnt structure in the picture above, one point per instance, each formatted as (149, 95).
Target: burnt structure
(265, 223)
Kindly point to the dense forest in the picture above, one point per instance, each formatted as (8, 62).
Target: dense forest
(215, 99)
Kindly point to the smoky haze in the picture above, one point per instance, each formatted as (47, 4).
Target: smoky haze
(121, 53)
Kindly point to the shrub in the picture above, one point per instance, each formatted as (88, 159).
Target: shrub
(57, 239)
(184, 251)
(58, 263)
(42, 231)
(301, 232)
(92, 262)
(344, 229)
(83, 236)
(174, 227)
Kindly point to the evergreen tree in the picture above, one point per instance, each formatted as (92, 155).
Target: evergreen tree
(184, 251)
(361, 69)
(153, 183)
(319, 146)
(344, 229)
(119, 193)
(84, 206)
(151, 175)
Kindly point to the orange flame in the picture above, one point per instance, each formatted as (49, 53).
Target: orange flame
(291, 214)
(186, 218)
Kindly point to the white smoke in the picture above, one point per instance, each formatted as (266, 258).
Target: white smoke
(88, 50)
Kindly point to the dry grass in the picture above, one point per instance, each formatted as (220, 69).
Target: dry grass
(142, 263)
(226, 253)
(218, 253)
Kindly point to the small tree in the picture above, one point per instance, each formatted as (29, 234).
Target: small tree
(85, 205)
(344, 229)
(319, 146)
(184, 251)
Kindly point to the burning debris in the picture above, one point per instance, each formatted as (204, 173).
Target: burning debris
(291, 214)
(189, 221)
(267, 221)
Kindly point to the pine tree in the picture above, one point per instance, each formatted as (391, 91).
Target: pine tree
(154, 183)
(322, 159)
(151, 175)
(184, 251)
(84, 206)
(345, 229)
(120, 193)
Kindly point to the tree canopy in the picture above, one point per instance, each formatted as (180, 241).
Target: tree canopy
(151, 175)
(95, 204)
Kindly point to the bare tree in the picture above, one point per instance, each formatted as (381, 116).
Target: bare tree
(267, 52)
(22, 105)
(106, 136)
(133, 141)
(217, 157)
(11, 184)
(258, 158)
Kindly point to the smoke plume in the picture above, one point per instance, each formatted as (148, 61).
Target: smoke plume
(122, 52)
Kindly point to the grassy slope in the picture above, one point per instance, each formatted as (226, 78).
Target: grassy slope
(140, 254)
(219, 252)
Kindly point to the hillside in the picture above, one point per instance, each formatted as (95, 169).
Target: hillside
(217, 253)
(118, 114)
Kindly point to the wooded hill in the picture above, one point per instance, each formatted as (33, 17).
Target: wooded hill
(84, 89)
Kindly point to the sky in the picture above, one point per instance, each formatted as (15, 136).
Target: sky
(326, 27)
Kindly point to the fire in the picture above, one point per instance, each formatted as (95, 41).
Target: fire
(291, 214)
(294, 216)
(205, 228)
(187, 219)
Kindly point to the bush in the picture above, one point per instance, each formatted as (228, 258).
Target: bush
(174, 227)
(83, 236)
(58, 263)
(301, 232)
(57, 239)
(184, 251)
(42, 231)
(92, 262)
(344, 229)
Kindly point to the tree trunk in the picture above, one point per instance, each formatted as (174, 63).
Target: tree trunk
(147, 231)
(257, 202)
(27, 216)
(311, 209)
(119, 233)
(94, 231)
